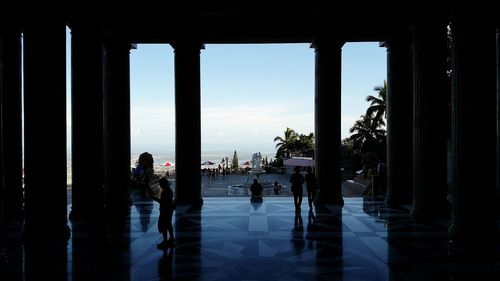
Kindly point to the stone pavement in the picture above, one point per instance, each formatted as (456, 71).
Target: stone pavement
(232, 238)
(237, 185)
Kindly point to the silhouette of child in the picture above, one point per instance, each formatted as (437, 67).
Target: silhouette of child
(167, 207)
(277, 188)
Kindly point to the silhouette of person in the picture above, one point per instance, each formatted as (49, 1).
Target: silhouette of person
(277, 188)
(297, 179)
(256, 188)
(167, 207)
(310, 180)
(144, 173)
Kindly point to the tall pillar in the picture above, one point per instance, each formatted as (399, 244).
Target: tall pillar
(430, 121)
(11, 121)
(187, 122)
(498, 120)
(399, 120)
(2, 193)
(87, 152)
(327, 106)
(45, 127)
(11, 197)
(117, 123)
(473, 102)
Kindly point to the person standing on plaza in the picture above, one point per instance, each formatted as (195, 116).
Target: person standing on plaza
(310, 179)
(256, 188)
(297, 179)
(167, 207)
(277, 188)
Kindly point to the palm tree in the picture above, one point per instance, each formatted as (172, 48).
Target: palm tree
(378, 104)
(286, 145)
(304, 143)
(366, 134)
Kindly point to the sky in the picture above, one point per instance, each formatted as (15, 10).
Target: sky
(250, 93)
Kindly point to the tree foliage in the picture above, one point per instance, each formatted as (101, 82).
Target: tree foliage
(234, 164)
(377, 109)
(285, 144)
(293, 142)
(368, 134)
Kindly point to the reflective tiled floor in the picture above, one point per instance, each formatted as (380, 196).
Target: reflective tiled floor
(235, 239)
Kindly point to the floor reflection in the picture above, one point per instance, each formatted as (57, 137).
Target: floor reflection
(145, 208)
(256, 202)
(165, 264)
(298, 240)
(234, 239)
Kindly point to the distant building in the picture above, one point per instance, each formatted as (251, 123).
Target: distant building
(303, 162)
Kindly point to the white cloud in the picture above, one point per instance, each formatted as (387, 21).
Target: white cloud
(253, 125)
(267, 115)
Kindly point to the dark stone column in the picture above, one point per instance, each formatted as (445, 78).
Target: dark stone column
(11, 121)
(117, 124)
(45, 261)
(474, 102)
(87, 151)
(45, 127)
(399, 120)
(327, 120)
(187, 122)
(498, 121)
(2, 193)
(430, 121)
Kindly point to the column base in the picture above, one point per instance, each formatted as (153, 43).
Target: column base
(331, 200)
(197, 202)
(48, 235)
(89, 215)
(463, 243)
(431, 213)
(397, 201)
(475, 230)
(77, 215)
(13, 214)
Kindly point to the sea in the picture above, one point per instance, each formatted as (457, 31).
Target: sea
(164, 155)
(215, 156)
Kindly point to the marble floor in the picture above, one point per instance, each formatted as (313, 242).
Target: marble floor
(235, 239)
